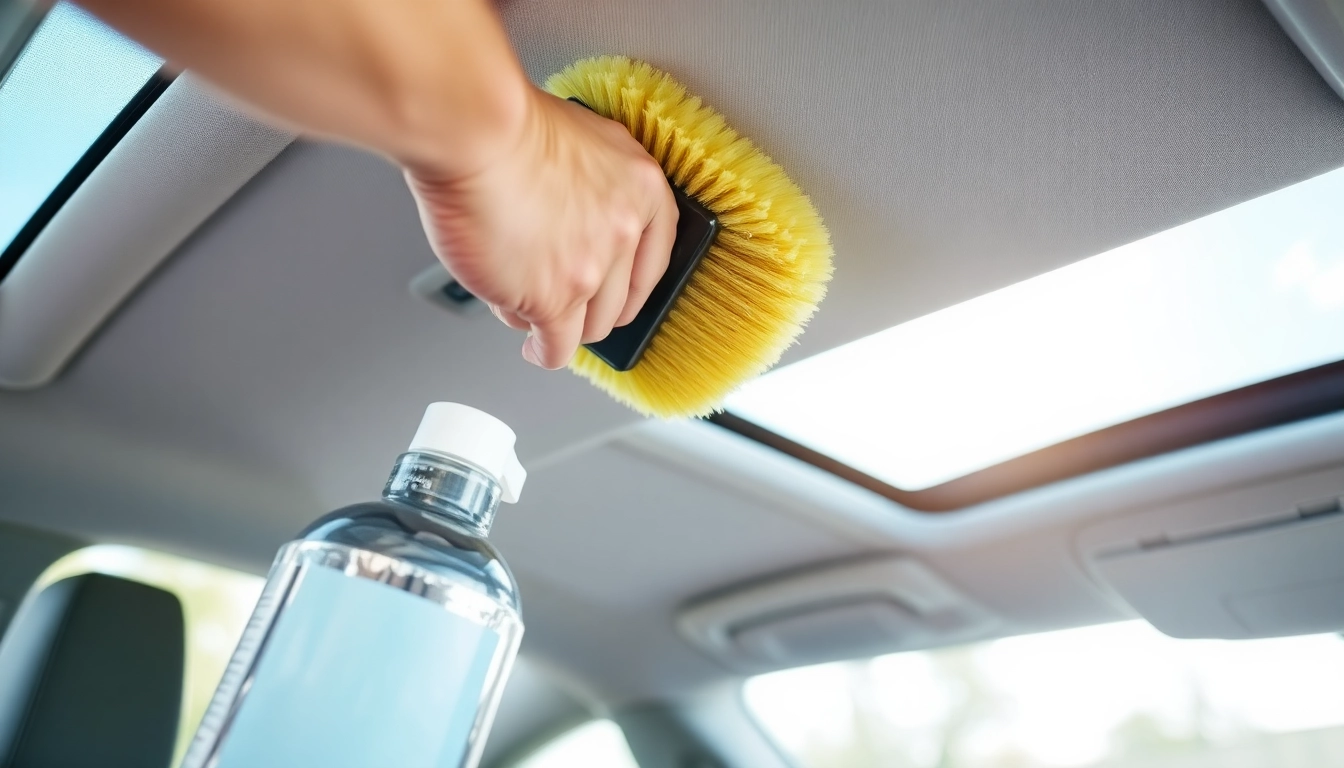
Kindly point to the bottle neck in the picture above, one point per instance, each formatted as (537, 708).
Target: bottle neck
(441, 486)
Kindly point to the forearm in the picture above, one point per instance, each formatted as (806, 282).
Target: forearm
(433, 84)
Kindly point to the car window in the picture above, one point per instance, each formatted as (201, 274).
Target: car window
(216, 603)
(70, 83)
(1245, 295)
(595, 744)
(1112, 696)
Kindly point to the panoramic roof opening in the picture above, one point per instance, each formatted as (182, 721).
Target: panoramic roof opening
(1247, 295)
(72, 84)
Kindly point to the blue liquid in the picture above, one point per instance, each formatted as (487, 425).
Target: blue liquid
(382, 639)
(422, 679)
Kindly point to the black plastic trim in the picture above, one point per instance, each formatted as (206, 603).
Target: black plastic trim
(697, 227)
(1295, 397)
(101, 146)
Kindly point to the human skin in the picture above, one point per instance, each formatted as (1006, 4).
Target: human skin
(552, 215)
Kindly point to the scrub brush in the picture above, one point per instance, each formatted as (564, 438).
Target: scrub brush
(751, 261)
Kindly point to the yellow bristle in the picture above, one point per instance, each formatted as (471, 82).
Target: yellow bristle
(760, 281)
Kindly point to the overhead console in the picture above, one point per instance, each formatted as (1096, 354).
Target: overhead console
(1261, 561)
(844, 611)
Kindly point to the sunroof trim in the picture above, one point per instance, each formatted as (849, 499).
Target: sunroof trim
(92, 157)
(1284, 400)
(1243, 295)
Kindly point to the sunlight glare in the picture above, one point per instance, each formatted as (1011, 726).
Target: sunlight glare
(1237, 297)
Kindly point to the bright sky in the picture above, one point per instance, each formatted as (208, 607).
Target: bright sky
(598, 744)
(216, 602)
(1059, 697)
(219, 601)
(1243, 295)
(71, 80)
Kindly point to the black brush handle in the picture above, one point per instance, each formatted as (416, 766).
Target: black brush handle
(696, 230)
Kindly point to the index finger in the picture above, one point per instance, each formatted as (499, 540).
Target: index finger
(552, 344)
(651, 255)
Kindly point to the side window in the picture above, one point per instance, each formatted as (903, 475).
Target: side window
(1108, 696)
(216, 603)
(595, 744)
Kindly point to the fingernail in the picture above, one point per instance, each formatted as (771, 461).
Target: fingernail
(530, 351)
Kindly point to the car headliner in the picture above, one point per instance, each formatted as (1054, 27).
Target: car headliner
(274, 367)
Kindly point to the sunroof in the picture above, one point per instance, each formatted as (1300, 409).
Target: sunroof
(1245, 295)
(72, 80)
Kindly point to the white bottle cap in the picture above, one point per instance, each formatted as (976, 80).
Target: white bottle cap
(461, 432)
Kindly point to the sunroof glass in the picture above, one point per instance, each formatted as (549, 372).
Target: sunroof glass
(71, 81)
(1241, 296)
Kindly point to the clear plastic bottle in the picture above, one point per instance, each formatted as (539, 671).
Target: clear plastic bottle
(385, 633)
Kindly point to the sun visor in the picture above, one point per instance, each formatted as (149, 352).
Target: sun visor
(188, 155)
(1317, 26)
(1260, 561)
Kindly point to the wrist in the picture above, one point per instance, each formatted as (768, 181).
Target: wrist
(457, 129)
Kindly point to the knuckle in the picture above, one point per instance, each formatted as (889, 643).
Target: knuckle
(540, 312)
(620, 133)
(652, 175)
(671, 209)
(628, 230)
(586, 279)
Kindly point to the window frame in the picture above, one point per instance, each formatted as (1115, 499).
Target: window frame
(115, 131)
(1283, 400)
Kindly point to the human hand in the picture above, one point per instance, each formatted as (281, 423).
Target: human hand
(552, 215)
(563, 231)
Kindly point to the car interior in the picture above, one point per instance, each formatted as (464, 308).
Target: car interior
(1055, 476)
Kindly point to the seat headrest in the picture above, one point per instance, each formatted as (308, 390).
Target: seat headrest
(108, 692)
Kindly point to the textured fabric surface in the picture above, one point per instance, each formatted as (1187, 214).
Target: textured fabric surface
(951, 146)
(175, 167)
(954, 146)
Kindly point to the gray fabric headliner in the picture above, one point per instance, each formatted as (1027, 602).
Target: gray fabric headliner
(955, 147)
(952, 146)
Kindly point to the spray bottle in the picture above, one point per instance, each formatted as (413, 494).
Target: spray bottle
(385, 632)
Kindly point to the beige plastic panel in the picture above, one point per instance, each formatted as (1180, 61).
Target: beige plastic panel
(847, 610)
(1258, 561)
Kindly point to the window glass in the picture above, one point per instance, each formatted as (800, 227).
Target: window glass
(1113, 696)
(69, 83)
(1244, 295)
(216, 603)
(597, 744)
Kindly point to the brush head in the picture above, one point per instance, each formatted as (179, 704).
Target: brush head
(696, 229)
(759, 280)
